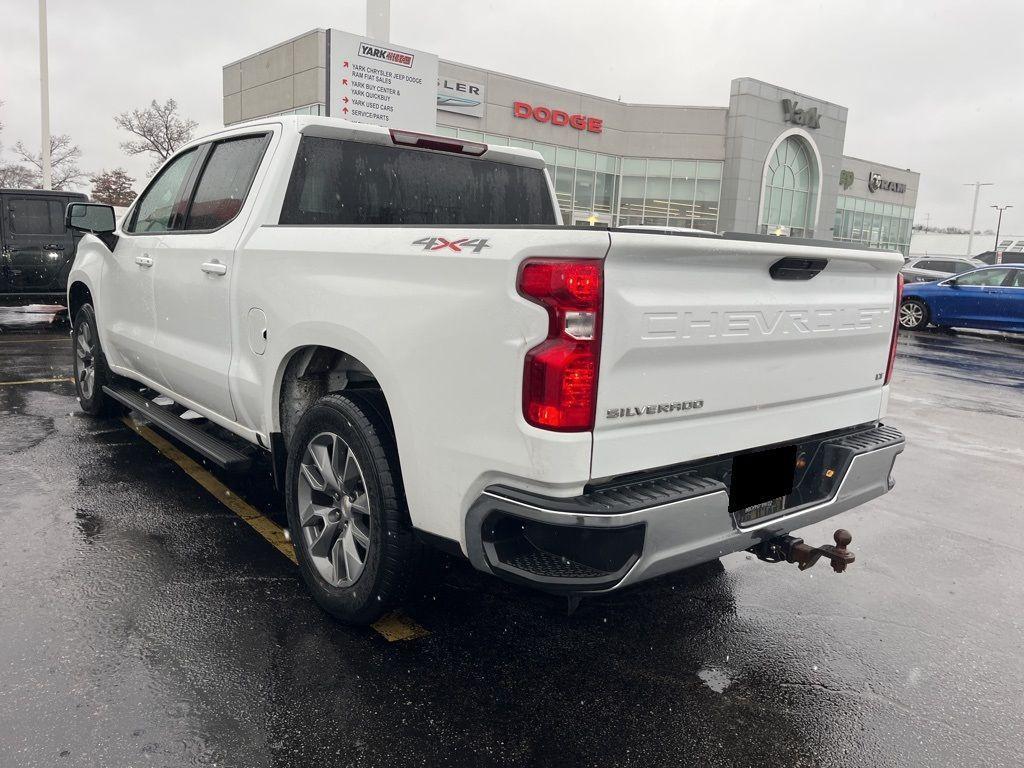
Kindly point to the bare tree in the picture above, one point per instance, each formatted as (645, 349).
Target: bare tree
(113, 187)
(64, 169)
(159, 128)
(14, 176)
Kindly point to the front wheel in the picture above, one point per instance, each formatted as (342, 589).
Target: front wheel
(346, 509)
(913, 314)
(90, 365)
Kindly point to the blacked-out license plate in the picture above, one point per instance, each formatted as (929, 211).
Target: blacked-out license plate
(760, 482)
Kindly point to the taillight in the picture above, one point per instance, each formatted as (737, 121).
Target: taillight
(560, 374)
(895, 327)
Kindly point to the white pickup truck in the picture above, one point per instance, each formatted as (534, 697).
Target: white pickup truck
(431, 358)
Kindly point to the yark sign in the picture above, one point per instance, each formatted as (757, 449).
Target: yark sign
(791, 113)
(381, 84)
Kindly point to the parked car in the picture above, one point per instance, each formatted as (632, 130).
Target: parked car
(36, 247)
(990, 298)
(1015, 256)
(924, 269)
(431, 359)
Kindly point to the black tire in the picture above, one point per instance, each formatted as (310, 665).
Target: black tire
(393, 554)
(914, 315)
(86, 351)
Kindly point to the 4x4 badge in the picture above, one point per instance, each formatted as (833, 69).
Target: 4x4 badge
(475, 244)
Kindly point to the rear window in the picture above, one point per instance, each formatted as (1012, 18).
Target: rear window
(225, 181)
(347, 182)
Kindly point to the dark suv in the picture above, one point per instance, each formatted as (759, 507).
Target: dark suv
(36, 249)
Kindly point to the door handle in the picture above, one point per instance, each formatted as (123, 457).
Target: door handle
(144, 261)
(214, 268)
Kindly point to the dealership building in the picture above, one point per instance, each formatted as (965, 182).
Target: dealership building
(771, 161)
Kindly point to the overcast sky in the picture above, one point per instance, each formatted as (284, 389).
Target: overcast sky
(931, 85)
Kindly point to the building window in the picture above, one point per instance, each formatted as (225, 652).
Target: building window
(791, 181)
(874, 224)
(309, 109)
(623, 190)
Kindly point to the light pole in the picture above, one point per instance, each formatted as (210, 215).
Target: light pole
(378, 20)
(974, 212)
(999, 224)
(44, 95)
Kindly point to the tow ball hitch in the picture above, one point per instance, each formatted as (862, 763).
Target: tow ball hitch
(793, 550)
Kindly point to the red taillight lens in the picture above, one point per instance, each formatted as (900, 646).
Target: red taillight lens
(560, 374)
(895, 328)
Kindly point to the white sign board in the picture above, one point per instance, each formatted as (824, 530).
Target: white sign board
(460, 96)
(381, 83)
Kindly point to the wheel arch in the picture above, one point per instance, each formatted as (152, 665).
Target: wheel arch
(308, 372)
(78, 294)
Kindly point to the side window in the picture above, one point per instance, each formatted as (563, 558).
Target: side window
(924, 264)
(159, 206)
(944, 266)
(963, 266)
(225, 182)
(35, 216)
(1018, 279)
(987, 277)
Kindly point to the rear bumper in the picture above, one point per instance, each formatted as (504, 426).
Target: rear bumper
(618, 535)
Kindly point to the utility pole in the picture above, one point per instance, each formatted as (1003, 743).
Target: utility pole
(927, 222)
(999, 225)
(378, 20)
(974, 213)
(44, 95)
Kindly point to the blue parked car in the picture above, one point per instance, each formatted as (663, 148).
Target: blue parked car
(990, 297)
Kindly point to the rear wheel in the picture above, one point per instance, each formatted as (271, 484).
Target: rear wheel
(90, 365)
(913, 314)
(346, 510)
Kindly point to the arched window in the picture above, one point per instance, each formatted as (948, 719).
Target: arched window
(790, 189)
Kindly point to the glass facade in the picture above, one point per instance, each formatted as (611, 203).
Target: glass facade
(791, 183)
(873, 223)
(623, 190)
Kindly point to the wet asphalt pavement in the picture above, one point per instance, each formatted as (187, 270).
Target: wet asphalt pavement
(143, 624)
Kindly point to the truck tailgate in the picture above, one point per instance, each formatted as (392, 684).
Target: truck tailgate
(704, 352)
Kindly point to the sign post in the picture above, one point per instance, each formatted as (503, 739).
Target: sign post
(380, 83)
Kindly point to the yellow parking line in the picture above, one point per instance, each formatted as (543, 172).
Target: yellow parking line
(263, 525)
(394, 626)
(35, 381)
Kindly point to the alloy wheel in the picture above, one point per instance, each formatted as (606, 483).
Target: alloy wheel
(334, 509)
(911, 314)
(85, 360)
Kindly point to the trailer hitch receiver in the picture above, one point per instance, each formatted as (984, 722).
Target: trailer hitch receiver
(790, 549)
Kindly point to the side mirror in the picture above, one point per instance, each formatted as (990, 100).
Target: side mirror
(91, 217)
